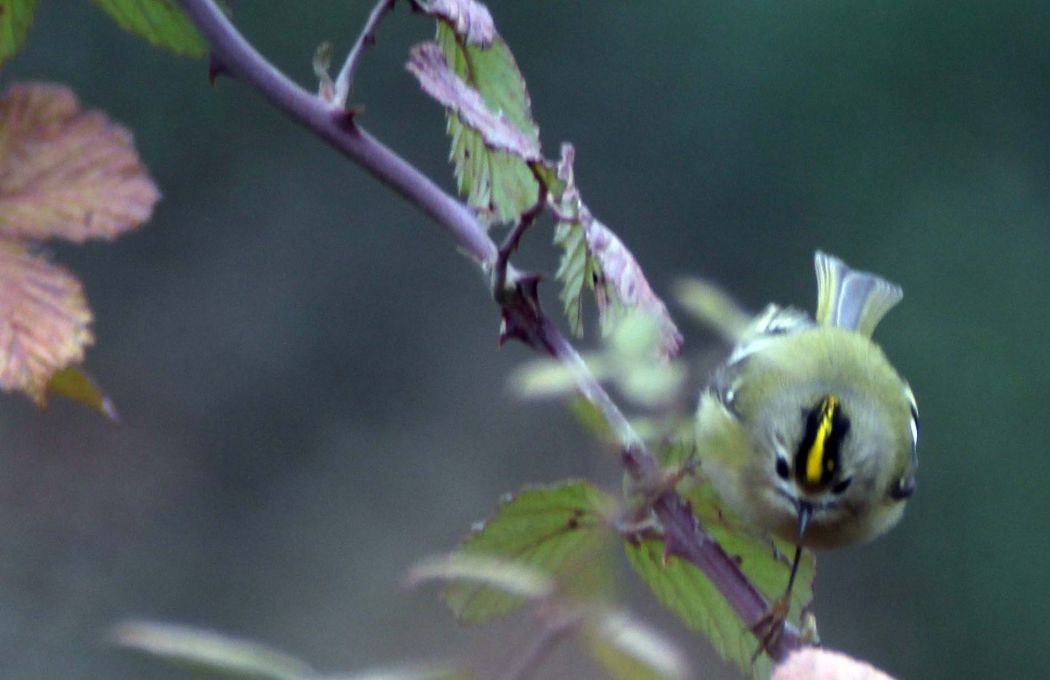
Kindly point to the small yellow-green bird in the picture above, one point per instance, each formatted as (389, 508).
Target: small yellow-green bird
(807, 431)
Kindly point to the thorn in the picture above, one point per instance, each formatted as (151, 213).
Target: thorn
(345, 118)
(531, 285)
(509, 328)
(216, 68)
(520, 314)
(770, 627)
(502, 337)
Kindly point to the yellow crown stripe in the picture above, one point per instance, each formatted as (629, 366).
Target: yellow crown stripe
(815, 457)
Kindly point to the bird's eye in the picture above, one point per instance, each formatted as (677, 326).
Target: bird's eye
(841, 487)
(782, 468)
(903, 488)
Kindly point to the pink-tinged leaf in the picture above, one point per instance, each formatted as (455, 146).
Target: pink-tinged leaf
(469, 19)
(427, 62)
(66, 173)
(597, 259)
(498, 184)
(44, 320)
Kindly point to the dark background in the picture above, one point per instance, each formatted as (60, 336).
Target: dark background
(312, 398)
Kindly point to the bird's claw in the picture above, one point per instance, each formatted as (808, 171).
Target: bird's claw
(770, 626)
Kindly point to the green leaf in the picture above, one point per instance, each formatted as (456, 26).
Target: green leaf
(595, 259)
(555, 530)
(713, 306)
(551, 378)
(73, 383)
(765, 561)
(427, 62)
(498, 183)
(547, 172)
(687, 591)
(576, 271)
(510, 577)
(206, 651)
(161, 22)
(630, 650)
(684, 589)
(645, 375)
(16, 16)
(592, 420)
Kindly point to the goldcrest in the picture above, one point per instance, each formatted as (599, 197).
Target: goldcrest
(808, 432)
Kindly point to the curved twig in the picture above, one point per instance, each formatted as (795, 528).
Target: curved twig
(344, 82)
(337, 127)
(683, 535)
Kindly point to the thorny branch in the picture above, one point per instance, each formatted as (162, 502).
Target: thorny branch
(522, 317)
(237, 56)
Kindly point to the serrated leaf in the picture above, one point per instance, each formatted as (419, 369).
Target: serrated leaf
(66, 173)
(547, 529)
(575, 272)
(685, 589)
(44, 320)
(713, 306)
(207, 651)
(498, 183)
(161, 22)
(427, 63)
(16, 16)
(764, 561)
(630, 650)
(73, 383)
(595, 259)
(468, 19)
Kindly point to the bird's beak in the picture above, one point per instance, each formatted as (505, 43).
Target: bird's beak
(805, 511)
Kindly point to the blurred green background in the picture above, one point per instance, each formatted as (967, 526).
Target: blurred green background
(308, 375)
